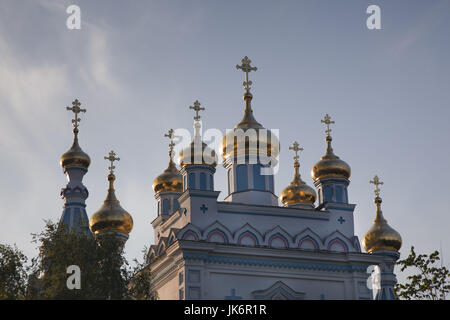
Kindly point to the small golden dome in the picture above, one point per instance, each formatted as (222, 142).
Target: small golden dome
(297, 192)
(170, 180)
(193, 155)
(75, 157)
(111, 217)
(256, 137)
(330, 166)
(381, 236)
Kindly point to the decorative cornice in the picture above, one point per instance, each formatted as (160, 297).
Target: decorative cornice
(253, 262)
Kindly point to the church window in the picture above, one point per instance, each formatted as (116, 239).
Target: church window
(181, 294)
(211, 182)
(202, 181)
(191, 180)
(165, 207)
(241, 177)
(327, 193)
(339, 194)
(271, 188)
(229, 180)
(259, 181)
(176, 205)
(180, 278)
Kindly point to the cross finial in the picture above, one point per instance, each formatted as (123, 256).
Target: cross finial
(327, 121)
(196, 108)
(245, 67)
(76, 110)
(171, 136)
(112, 157)
(376, 181)
(296, 148)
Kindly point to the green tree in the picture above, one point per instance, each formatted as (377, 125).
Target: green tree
(104, 271)
(430, 283)
(101, 261)
(140, 280)
(13, 273)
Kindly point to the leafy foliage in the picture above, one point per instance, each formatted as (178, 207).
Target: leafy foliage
(140, 279)
(431, 283)
(13, 273)
(105, 273)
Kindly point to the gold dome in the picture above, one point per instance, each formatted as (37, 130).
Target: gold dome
(258, 139)
(297, 192)
(170, 180)
(192, 155)
(381, 236)
(75, 157)
(111, 217)
(330, 166)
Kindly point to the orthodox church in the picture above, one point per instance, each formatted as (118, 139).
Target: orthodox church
(247, 246)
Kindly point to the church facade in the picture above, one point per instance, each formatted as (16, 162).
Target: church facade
(247, 246)
(250, 247)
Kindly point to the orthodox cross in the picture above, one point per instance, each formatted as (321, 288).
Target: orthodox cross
(76, 109)
(376, 181)
(170, 135)
(112, 158)
(196, 108)
(295, 147)
(327, 121)
(245, 67)
(204, 208)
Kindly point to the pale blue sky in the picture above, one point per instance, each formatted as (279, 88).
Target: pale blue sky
(137, 66)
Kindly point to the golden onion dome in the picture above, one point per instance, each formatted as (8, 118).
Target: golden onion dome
(381, 236)
(330, 166)
(75, 157)
(258, 140)
(170, 180)
(111, 217)
(297, 192)
(194, 154)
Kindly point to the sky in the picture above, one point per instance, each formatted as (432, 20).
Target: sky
(137, 66)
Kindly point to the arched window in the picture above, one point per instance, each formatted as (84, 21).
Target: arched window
(241, 177)
(259, 181)
(165, 206)
(211, 182)
(191, 180)
(202, 181)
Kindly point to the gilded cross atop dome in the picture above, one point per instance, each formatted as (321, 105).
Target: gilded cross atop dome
(76, 110)
(171, 136)
(246, 68)
(196, 108)
(111, 158)
(296, 148)
(376, 181)
(327, 121)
